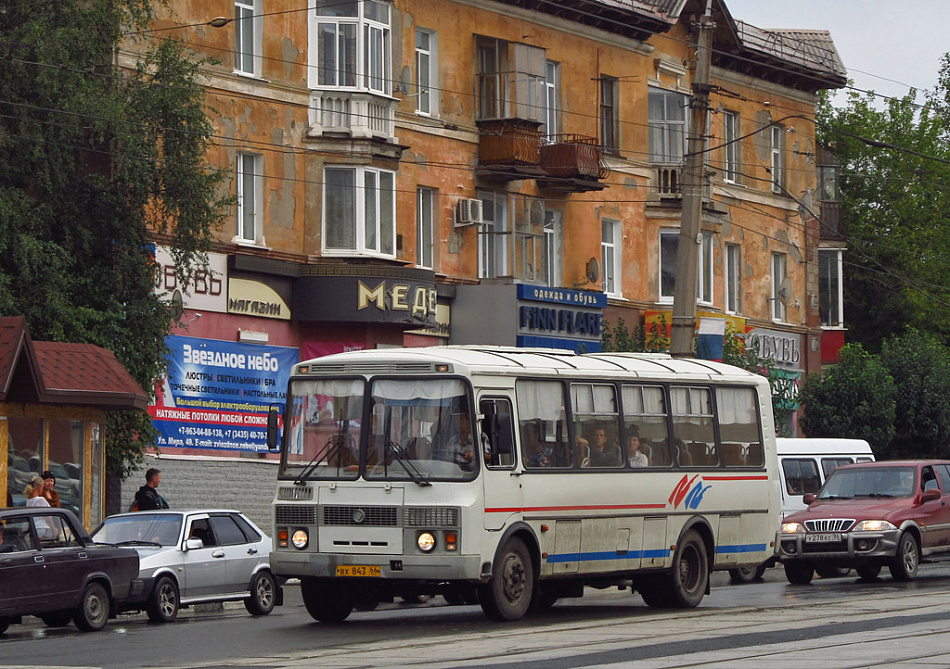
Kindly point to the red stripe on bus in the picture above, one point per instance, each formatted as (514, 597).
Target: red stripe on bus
(735, 478)
(594, 507)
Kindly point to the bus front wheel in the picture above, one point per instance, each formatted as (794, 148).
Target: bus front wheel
(508, 595)
(326, 601)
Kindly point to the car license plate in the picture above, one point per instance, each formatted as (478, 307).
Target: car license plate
(357, 570)
(822, 538)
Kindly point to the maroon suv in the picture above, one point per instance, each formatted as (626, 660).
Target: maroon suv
(869, 515)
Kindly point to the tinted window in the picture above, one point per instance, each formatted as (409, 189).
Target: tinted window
(249, 532)
(227, 531)
(943, 473)
(828, 465)
(801, 476)
(201, 529)
(928, 480)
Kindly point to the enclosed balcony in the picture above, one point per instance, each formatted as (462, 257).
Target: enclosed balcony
(573, 164)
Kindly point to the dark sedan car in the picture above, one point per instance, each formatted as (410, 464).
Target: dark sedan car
(50, 567)
(871, 515)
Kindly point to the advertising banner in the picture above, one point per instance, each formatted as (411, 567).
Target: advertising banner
(217, 393)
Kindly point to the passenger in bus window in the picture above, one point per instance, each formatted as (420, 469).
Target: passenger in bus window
(682, 455)
(603, 454)
(635, 457)
(534, 452)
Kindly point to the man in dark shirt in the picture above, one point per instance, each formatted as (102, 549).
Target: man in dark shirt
(147, 497)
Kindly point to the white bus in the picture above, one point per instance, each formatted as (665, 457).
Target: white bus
(509, 477)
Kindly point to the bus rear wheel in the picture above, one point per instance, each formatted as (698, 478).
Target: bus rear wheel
(508, 595)
(326, 601)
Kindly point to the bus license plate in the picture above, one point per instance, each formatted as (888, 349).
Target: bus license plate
(822, 538)
(357, 570)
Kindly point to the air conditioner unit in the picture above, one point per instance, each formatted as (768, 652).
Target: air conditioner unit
(469, 212)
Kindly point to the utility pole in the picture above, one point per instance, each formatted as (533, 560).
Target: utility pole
(687, 251)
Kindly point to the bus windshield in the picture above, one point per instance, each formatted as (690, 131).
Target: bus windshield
(420, 429)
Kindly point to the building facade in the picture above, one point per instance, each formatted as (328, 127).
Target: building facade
(421, 172)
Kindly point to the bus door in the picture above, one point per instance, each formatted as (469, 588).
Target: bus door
(503, 495)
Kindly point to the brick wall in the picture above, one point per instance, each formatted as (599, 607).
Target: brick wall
(243, 484)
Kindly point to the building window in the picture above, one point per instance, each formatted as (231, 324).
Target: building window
(610, 250)
(552, 97)
(248, 29)
(249, 195)
(704, 289)
(667, 124)
(830, 289)
(426, 71)
(609, 115)
(510, 80)
(733, 278)
(426, 199)
(777, 135)
(669, 241)
(553, 250)
(492, 235)
(359, 211)
(731, 146)
(353, 45)
(779, 287)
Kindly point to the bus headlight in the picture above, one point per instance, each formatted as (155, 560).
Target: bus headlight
(300, 539)
(426, 542)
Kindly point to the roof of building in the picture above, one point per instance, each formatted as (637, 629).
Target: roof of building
(60, 373)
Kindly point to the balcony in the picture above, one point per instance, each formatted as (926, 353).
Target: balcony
(831, 228)
(574, 163)
(357, 115)
(666, 186)
(509, 149)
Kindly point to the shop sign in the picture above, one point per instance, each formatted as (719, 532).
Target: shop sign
(557, 317)
(443, 323)
(217, 393)
(206, 289)
(782, 348)
(253, 298)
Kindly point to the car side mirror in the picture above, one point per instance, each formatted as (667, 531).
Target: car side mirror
(193, 544)
(929, 495)
(808, 498)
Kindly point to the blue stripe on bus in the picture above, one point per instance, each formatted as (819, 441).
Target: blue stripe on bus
(741, 548)
(639, 555)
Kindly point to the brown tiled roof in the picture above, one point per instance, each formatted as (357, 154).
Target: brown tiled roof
(56, 373)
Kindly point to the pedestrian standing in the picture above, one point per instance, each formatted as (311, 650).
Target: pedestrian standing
(147, 497)
(51, 496)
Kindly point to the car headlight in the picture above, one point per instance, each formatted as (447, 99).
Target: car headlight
(300, 539)
(426, 542)
(793, 528)
(873, 526)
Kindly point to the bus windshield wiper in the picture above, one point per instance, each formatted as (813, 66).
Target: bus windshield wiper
(332, 446)
(403, 459)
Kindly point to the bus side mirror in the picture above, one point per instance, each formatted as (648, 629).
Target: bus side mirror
(273, 428)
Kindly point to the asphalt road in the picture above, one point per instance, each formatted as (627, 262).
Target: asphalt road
(831, 623)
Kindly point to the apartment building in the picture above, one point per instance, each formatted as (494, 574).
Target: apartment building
(422, 172)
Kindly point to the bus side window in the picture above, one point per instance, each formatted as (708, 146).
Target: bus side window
(498, 430)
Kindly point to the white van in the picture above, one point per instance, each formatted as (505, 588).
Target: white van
(804, 464)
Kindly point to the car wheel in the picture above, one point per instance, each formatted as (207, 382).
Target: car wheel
(509, 593)
(163, 603)
(868, 572)
(263, 594)
(799, 573)
(904, 565)
(832, 572)
(57, 619)
(365, 604)
(326, 601)
(4, 624)
(93, 611)
(741, 575)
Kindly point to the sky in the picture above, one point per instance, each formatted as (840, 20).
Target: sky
(887, 46)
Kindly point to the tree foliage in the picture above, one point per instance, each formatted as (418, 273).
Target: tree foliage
(95, 163)
(856, 399)
(895, 207)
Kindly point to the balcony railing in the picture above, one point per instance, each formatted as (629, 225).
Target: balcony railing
(359, 115)
(831, 228)
(575, 163)
(668, 184)
(509, 149)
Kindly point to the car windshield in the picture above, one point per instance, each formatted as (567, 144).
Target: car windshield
(161, 529)
(849, 483)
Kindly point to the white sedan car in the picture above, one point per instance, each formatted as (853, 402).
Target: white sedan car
(194, 557)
